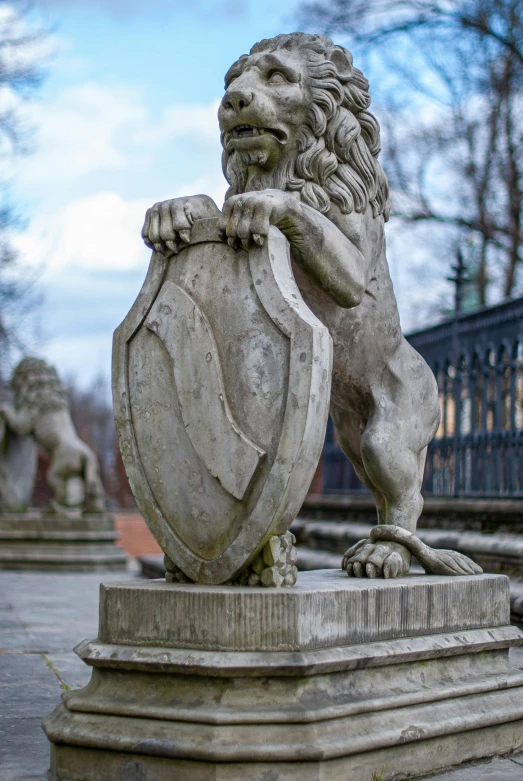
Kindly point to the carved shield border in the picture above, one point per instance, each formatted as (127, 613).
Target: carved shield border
(303, 428)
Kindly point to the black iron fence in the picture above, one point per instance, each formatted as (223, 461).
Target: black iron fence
(478, 451)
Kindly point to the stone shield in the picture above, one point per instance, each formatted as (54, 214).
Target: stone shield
(221, 385)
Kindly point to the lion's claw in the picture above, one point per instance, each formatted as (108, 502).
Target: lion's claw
(376, 560)
(371, 571)
(350, 553)
(357, 569)
(168, 224)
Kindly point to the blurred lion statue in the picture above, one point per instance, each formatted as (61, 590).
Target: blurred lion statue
(41, 410)
(300, 152)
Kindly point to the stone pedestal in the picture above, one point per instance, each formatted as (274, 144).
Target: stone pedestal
(329, 681)
(47, 541)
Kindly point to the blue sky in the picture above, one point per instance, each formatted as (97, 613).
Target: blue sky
(126, 117)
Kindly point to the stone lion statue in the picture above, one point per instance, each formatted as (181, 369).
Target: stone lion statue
(300, 151)
(41, 410)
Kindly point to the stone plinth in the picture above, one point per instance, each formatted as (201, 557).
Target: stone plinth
(333, 680)
(45, 541)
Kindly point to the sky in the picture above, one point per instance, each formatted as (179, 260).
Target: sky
(126, 117)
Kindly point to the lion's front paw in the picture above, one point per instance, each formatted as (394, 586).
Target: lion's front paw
(246, 218)
(367, 559)
(167, 226)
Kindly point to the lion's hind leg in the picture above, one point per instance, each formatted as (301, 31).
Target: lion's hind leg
(394, 465)
(366, 559)
(64, 476)
(94, 501)
(393, 451)
(391, 458)
(57, 482)
(349, 430)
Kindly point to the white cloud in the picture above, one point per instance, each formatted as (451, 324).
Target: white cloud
(78, 132)
(82, 356)
(102, 158)
(93, 128)
(88, 135)
(87, 250)
(212, 184)
(99, 231)
(195, 121)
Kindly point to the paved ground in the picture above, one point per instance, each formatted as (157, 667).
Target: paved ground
(42, 617)
(497, 770)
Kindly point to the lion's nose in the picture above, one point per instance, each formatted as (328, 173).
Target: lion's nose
(236, 100)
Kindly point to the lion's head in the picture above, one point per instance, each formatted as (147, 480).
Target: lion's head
(37, 385)
(294, 117)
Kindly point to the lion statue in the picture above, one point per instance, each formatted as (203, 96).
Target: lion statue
(41, 410)
(300, 152)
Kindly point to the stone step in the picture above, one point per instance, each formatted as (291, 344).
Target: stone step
(482, 515)
(46, 541)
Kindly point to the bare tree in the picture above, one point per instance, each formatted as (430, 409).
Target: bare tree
(449, 76)
(20, 74)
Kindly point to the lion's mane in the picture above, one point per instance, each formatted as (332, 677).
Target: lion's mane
(36, 385)
(340, 141)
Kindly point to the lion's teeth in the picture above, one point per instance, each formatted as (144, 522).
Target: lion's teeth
(248, 130)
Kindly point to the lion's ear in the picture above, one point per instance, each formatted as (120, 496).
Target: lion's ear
(342, 61)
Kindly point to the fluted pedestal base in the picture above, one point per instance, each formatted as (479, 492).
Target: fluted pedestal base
(46, 541)
(332, 680)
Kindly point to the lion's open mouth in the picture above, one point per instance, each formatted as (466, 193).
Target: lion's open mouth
(249, 131)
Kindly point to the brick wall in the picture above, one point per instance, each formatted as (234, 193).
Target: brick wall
(135, 537)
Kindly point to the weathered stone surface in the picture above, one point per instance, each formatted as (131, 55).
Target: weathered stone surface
(77, 764)
(178, 675)
(313, 173)
(516, 601)
(43, 612)
(40, 409)
(254, 664)
(435, 561)
(173, 573)
(220, 469)
(275, 565)
(325, 609)
(283, 742)
(49, 541)
(152, 566)
(221, 386)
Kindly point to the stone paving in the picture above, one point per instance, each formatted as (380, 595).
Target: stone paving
(497, 770)
(42, 617)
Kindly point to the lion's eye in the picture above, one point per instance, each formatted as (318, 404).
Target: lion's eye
(276, 78)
